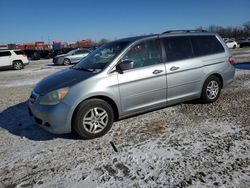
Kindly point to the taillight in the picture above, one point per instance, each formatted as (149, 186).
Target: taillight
(24, 55)
(231, 60)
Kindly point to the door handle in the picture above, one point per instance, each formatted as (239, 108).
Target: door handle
(174, 68)
(157, 71)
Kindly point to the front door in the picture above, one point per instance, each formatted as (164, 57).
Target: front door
(144, 86)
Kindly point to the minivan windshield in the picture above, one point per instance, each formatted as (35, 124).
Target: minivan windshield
(101, 57)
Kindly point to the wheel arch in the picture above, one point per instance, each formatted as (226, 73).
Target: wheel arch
(16, 60)
(217, 75)
(110, 101)
(66, 58)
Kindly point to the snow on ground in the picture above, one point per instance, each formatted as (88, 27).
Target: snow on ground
(30, 75)
(187, 145)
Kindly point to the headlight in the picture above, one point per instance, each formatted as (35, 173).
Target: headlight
(53, 97)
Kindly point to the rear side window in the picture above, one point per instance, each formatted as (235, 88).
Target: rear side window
(206, 45)
(79, 52)
(178, 48)
(5, 53)
(19, 52)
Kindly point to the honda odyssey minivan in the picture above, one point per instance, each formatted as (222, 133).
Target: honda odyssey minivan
(131, 76)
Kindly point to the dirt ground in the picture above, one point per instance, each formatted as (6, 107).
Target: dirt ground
(187, 145)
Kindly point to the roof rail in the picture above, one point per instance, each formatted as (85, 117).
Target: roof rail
(185, 31)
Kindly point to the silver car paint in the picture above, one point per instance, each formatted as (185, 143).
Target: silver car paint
(74, 58)
(138, 90)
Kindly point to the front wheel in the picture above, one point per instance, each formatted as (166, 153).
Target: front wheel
(66, 62)
(93, 119)
(211, 89)
(17, 65)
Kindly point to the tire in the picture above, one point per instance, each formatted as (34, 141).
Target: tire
(234, 46)
(211, 89)
(93, 119)
(66, 62)
(17, 65)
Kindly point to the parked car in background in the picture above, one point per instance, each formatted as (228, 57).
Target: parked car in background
(131, 76)
(15, 59)
(244, 42)
(72, 57)
(231, 44)
(225, 39)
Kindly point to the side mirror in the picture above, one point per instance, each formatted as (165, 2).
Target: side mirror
(125, 65)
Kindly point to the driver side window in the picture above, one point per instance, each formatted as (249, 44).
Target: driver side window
(144, 54)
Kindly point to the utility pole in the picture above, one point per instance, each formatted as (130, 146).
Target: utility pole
(48, 39)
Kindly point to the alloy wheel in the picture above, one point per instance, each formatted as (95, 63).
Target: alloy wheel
(95, 120)
(18, 65)
(212, 89)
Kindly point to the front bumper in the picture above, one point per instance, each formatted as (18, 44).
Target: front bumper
(54, 119)
(58, 61)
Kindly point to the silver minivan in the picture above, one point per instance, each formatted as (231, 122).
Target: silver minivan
(132, 76)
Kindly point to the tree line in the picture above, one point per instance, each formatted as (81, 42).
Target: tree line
(231, 32)
(225, 32)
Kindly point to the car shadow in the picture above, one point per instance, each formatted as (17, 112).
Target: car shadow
(52, 65)
(16, 121)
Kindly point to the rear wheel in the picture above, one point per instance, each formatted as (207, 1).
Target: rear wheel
(234, 46)
(211, 89)
(17, 65)
(93, 118)
(66, 62)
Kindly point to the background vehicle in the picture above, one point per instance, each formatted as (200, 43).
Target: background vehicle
(15, 59)
(40, 49)
(231, 44)
(244, 42)
(72, 57)
(131, 76)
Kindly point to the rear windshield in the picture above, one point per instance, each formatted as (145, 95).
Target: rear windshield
(19, 52)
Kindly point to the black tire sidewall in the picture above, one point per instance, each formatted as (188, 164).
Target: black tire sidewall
(204, 96)
(83, 109)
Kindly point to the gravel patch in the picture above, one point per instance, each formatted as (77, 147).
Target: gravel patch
(187, 145)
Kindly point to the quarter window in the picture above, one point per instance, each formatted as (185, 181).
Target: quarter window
(5, 53)
(144, 54)
(206, 45)
(177, 48)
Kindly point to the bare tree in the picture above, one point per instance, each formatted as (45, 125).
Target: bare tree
(247, 26)
(231, 32)
(103, 41)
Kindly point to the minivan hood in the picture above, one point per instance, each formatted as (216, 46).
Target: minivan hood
(61, 79)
